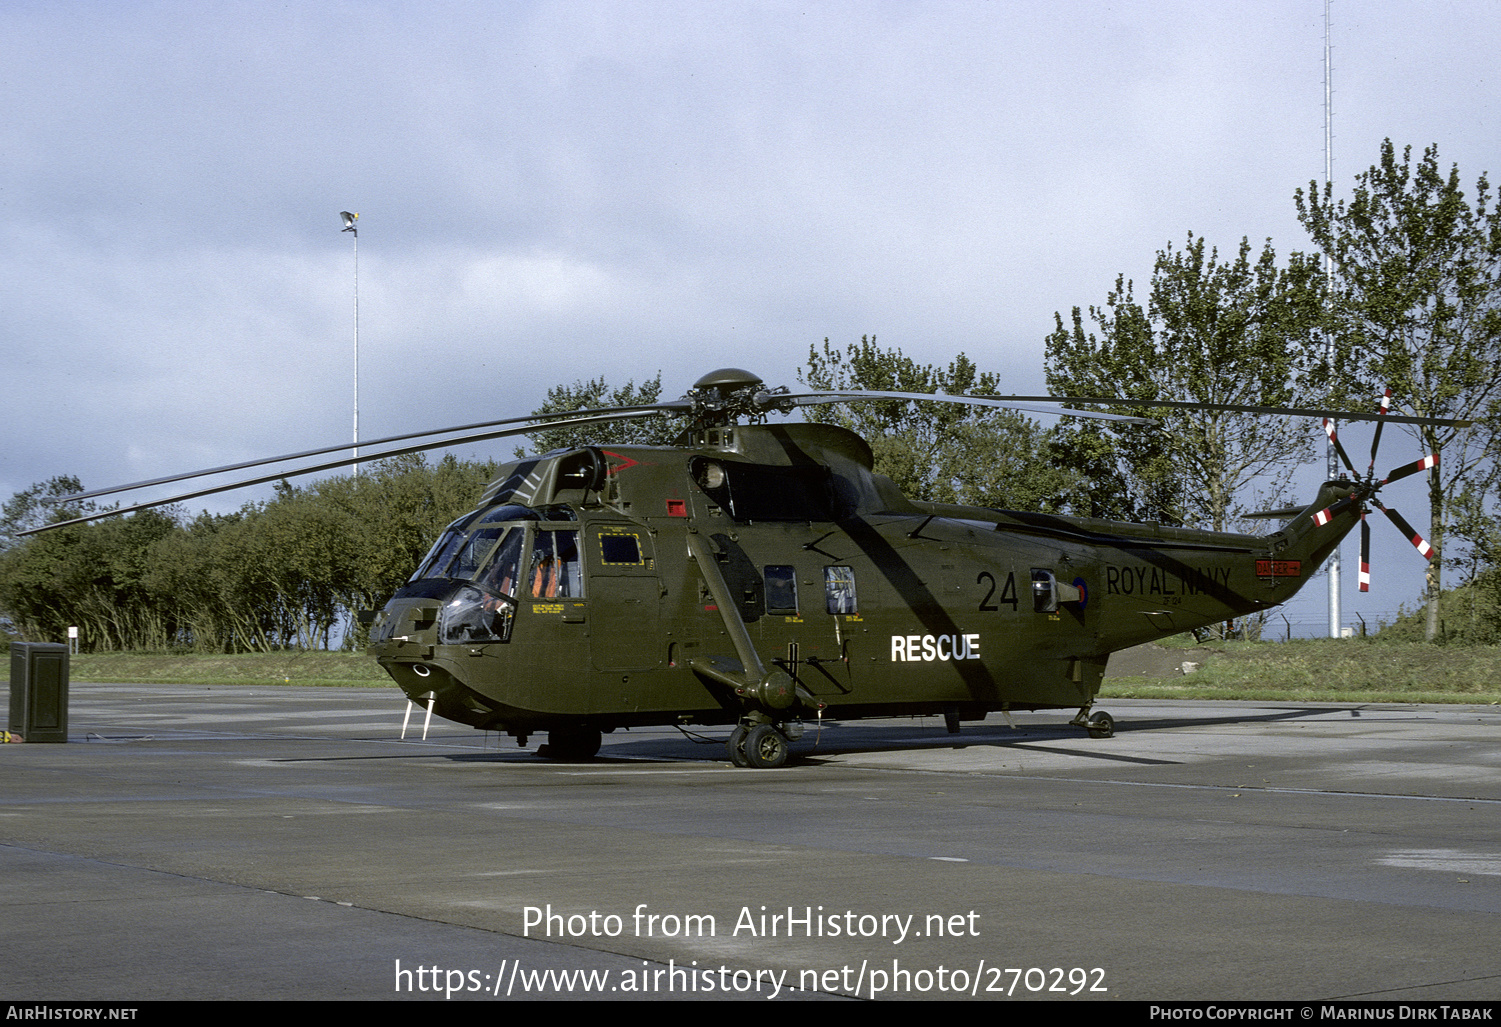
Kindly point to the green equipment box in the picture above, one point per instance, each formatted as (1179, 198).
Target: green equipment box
(39, 691)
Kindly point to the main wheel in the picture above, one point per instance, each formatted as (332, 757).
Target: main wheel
(1102, 725)
(765, 747)
(736, 746)
(572, 744)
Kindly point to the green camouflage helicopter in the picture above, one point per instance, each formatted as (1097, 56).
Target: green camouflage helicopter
(763, 576)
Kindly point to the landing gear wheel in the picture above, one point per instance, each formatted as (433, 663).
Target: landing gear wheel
(736, 746)
(765, 747)
(1102, 725)
(575, 743)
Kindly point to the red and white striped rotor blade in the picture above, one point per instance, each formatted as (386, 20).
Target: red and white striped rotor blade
(1418, 542)
(1431, 460)
(1365, 554)
(1327, 514)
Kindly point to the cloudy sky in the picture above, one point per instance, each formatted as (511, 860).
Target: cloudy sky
(560, 190)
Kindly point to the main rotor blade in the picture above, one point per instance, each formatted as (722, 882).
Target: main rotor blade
(1342, 415)
(1334, 440)
(1386, 402)
(804, 399)
(677, 406)
(341, 462)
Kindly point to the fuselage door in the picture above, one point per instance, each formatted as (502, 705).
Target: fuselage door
(625, 598)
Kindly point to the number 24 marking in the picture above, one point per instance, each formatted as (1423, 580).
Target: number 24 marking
(1008, 591)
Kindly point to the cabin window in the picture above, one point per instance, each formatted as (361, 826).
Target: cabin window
(781, 590)
(556, 571)
(839, 590)
(620, 550)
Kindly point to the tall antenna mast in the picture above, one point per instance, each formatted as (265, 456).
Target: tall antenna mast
(351, 224)
(1332, 455)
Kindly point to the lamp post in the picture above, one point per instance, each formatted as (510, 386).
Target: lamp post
(351, 225)
(1331, 455)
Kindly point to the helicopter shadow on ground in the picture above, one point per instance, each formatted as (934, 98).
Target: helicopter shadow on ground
(858, 738)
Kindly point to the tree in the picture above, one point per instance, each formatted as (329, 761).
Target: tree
(92, 576)
(655, 430)
(275, 574)
(940, 452)
(1417, 271)
(201, 585)
(1125, 473)
(31, 508)
(1238, 332)
(393, 513)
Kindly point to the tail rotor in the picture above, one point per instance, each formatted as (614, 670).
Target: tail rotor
(1365, 496)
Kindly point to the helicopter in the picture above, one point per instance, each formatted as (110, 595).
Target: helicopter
(762, 576)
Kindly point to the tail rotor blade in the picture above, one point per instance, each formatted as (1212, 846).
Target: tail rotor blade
(1418, 542)
(1365, 554)
(1328, 514)
(1413, 468)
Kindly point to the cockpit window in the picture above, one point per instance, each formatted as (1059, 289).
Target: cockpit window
(477, 546)
(502, 570)
(441, 552)
(556, 570)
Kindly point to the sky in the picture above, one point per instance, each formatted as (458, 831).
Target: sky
(556, 191)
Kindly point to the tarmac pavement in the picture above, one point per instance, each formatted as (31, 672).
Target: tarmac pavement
(282, 842)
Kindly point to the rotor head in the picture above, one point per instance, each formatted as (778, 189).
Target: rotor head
(725, 396)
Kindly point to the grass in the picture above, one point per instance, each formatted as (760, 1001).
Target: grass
(1306, 670)
(1329, 670)
(336, 669)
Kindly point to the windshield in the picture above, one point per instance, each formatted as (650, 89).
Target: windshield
(470, 541)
